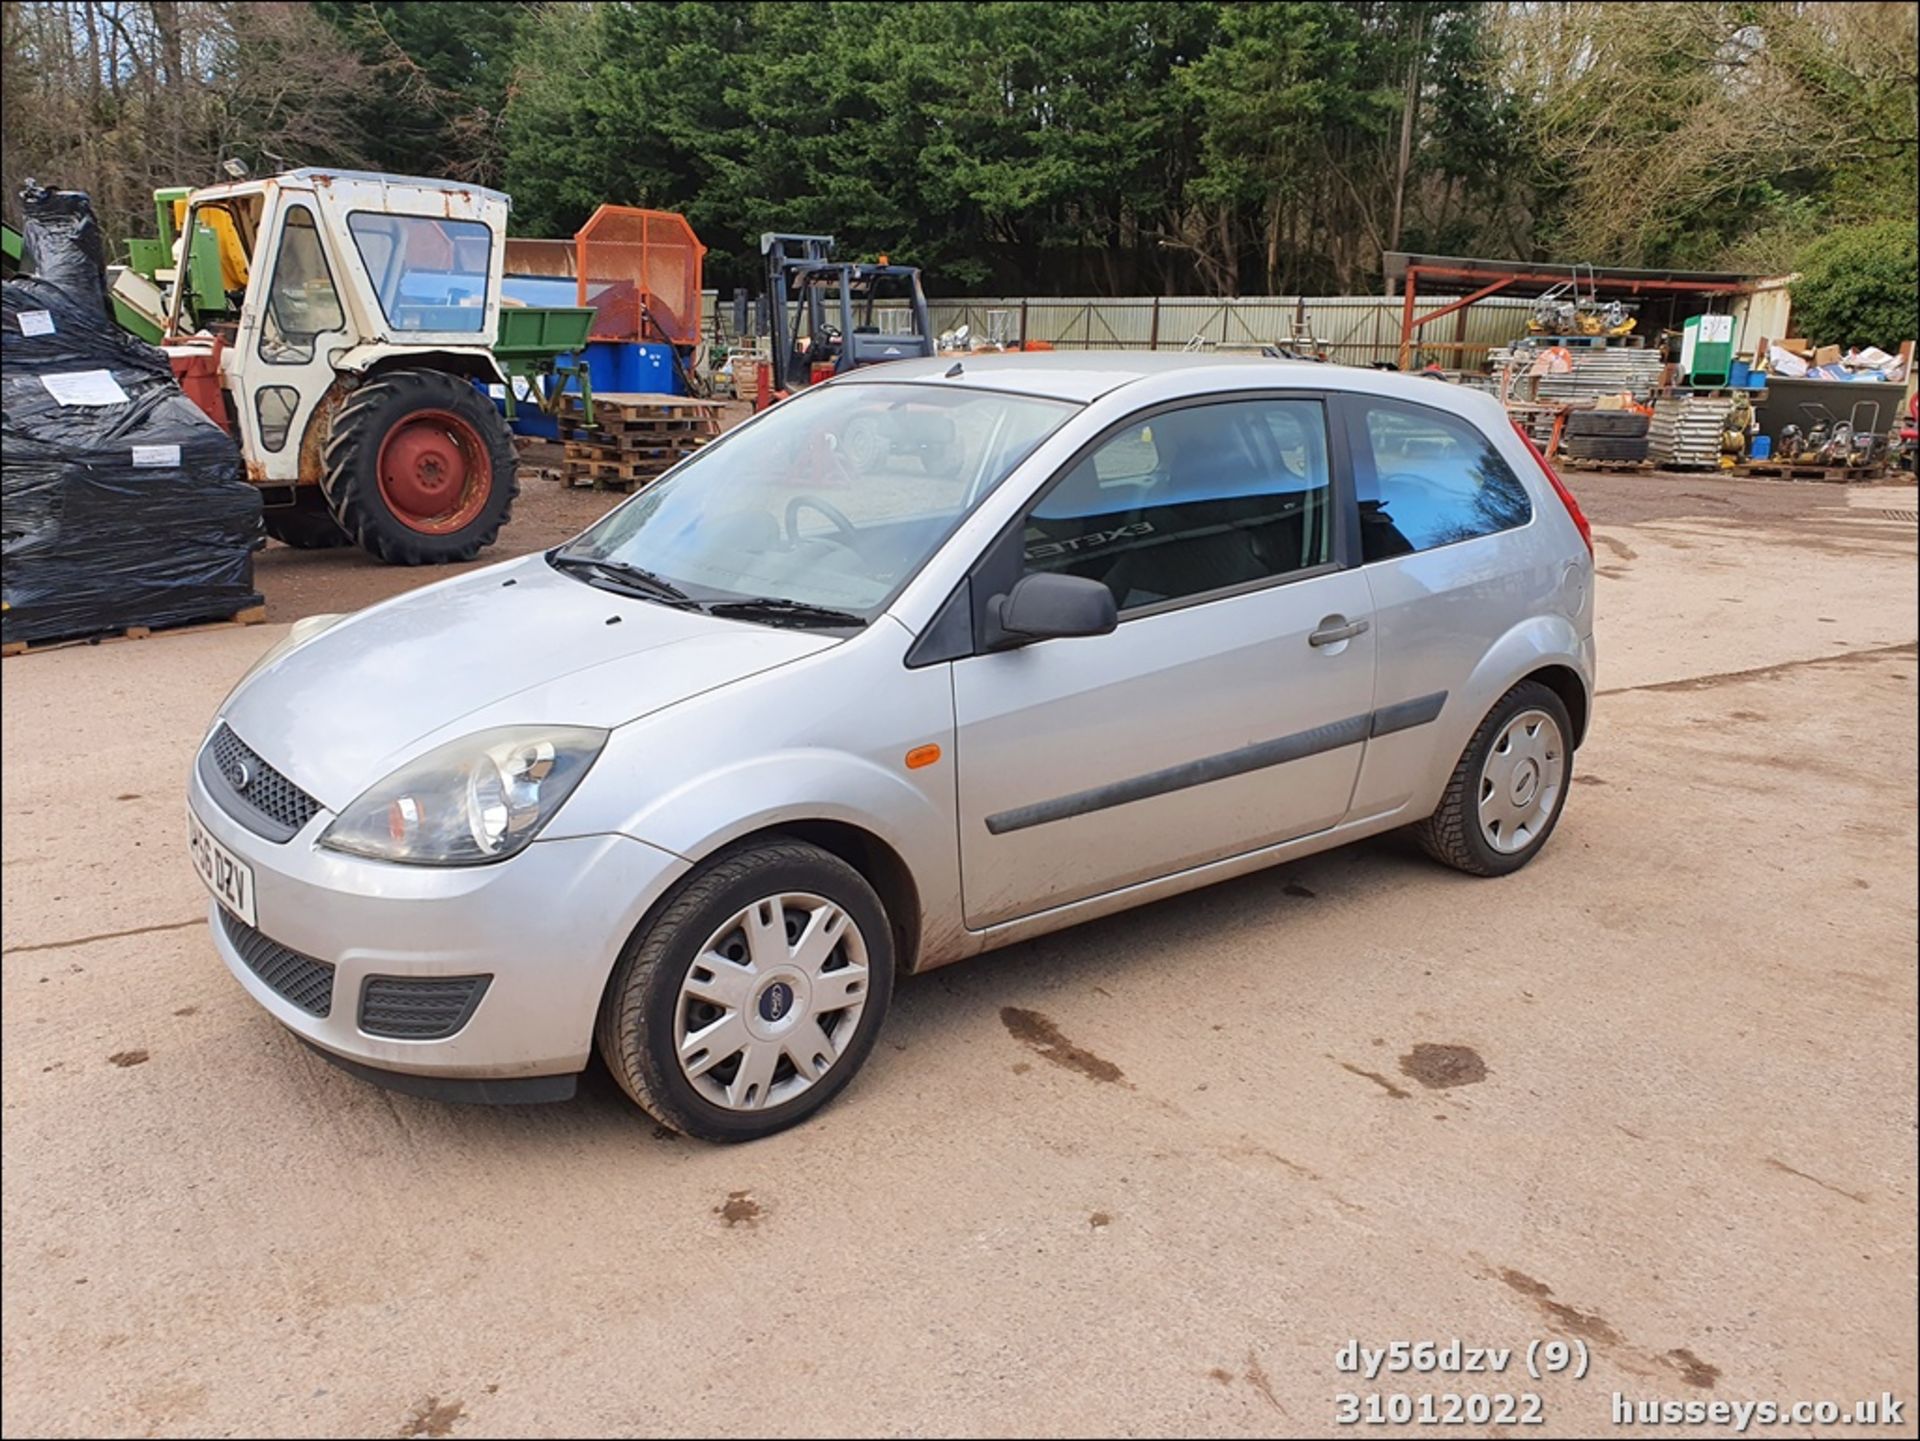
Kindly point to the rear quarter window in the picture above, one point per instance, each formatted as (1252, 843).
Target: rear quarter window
(1426, 479)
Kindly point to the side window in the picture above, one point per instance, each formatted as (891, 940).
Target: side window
(301, 303)
(1192, 501)
(1426, 478)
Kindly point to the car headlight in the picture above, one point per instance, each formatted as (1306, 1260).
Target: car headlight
(471, 801)
(299, 633)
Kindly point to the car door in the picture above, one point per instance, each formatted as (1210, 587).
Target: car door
(1438, 508)
(1229, 708)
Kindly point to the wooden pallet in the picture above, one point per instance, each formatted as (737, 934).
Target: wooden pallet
(607, 475)
(587, 466)
(625, 409)
(1575, 462)
(605, 428)
(663, 454)
(636, 438)
(1794, 470)
(252, 615)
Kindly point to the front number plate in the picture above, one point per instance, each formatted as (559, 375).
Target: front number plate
(227, 876)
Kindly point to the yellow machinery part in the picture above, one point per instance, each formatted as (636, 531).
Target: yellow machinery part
(233, 255)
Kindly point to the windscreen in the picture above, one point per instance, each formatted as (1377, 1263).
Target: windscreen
(430, 274)
(832, 499)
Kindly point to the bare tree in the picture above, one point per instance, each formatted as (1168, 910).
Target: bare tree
(120, 97)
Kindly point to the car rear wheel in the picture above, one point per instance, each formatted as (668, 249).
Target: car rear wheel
(753, 995)
(1506, 794)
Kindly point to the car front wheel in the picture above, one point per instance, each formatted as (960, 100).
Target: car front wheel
(1505, 795)
(753, 995)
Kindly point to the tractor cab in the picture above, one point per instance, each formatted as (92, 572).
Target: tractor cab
(338, 335)
(826, 317)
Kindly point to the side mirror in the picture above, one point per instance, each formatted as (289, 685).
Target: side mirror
(1043, 606)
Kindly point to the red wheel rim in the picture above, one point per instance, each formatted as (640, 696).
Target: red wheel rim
(434, 472)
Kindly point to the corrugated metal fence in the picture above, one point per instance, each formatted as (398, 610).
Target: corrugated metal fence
(1355, 329)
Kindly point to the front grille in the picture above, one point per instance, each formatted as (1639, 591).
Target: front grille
(305, 982)
(278, 807)
(419, 1010)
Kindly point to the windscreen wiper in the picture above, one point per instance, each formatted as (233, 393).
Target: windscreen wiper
(628, 579)
(776, 610)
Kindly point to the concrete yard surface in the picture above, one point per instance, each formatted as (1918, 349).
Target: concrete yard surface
(1654, 1095)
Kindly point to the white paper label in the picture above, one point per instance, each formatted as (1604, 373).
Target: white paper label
(36, 322)
(168, 455)
(85, 387)
(1716, 327)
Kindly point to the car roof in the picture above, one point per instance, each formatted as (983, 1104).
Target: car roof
(1086, 375)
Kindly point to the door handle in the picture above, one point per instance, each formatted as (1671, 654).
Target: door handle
(1336, 628)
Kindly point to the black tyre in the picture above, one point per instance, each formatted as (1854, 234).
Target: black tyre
(420, 468)
(752, 994)
(307, 524)
(1506, 794)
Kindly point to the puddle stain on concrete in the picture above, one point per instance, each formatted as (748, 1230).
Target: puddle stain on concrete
(1692, 1369)
(739, 1209)
(1038, 1031)
(1587, 1325)
(1438, 1067)
(433, 1417)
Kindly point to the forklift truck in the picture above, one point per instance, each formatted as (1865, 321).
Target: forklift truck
(823, 317)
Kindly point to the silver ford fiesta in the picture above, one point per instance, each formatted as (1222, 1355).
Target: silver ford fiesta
(928, 659)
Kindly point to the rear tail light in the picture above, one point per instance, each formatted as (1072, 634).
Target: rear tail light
(1559, 488)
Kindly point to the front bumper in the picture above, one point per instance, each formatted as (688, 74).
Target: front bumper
(546, 926)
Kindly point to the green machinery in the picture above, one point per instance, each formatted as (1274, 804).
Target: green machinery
(529, 345)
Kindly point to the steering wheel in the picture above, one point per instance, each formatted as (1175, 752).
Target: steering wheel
(848, 533)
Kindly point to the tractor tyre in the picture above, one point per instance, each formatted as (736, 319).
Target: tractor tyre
(420, 468)
(307, 524)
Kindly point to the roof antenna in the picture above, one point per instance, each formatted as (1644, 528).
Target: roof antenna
(952, 371)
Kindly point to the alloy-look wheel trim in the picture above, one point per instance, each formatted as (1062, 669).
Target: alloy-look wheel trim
(1521, 781)
(771, 1001)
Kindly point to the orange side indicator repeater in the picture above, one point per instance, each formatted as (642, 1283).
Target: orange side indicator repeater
(922, 756)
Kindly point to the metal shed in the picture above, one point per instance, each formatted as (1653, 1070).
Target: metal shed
(1667, 296)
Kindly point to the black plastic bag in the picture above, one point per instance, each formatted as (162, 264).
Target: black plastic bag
(61, 243)
(115, 514)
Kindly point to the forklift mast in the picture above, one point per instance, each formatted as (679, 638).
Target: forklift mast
(839, 302)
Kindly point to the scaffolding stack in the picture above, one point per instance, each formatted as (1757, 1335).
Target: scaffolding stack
(1687, 428)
